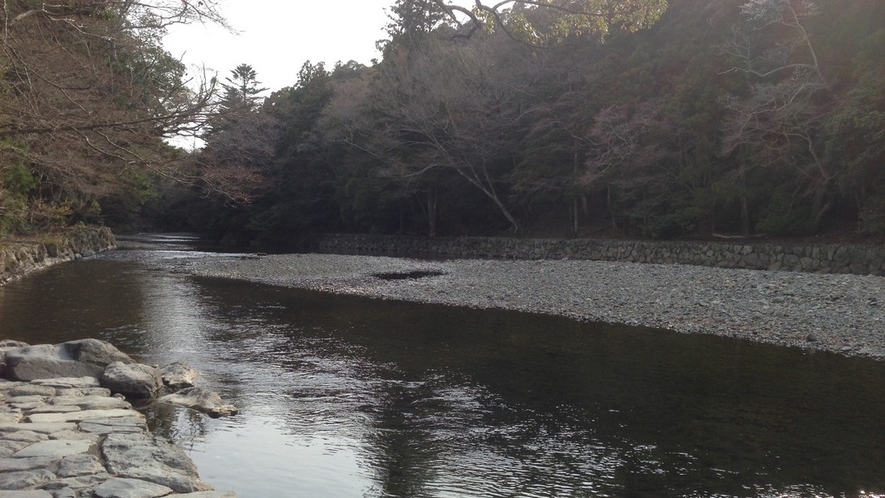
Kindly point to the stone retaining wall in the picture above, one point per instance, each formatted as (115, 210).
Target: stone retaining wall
(818, 258)
(20, 258)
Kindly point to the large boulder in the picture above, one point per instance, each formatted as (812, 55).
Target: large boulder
(6, 345)
(132, 380)
(83, 358)
(95, 351)
(200, 399)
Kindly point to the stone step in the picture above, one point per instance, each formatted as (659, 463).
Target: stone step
(75, 440)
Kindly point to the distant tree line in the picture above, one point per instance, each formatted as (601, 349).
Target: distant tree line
(558, 117)
(723, 117)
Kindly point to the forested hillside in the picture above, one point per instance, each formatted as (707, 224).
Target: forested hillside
(638, 118)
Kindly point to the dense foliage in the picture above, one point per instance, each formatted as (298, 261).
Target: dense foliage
(723, 117)
(555, 117)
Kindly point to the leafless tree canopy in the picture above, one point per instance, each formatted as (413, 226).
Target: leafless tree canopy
(88, 92)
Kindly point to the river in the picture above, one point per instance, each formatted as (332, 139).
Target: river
(353, 397)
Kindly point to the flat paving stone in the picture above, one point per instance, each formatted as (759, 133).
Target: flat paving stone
(208, 494)
(143, 456)
(77, 416)
(30, 398)
(26, 494)
(74, 435)
(130, 488)
(76, 382)
(56, 448)
(119, 425)
(80, 465)
(27, 436)
(53, 409)
(92, 402)
(26, 407)
(9, 448)
(83, 391)
(25, 479)
(82, 484)
(32, 390)
(38, 427)
(21, 464)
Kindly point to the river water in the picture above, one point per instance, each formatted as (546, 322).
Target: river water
(353, 397)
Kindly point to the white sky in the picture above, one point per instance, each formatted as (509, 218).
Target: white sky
(277, 36)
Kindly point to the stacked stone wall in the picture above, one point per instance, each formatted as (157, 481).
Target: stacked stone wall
(20, 258)
(814, 258)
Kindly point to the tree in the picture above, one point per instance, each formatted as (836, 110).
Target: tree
(88, 94)
(545, 22)
(777, 122)
(242, 88)
(446, 108)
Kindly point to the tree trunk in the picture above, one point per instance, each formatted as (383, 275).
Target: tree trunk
(432, 201)
(745, 205)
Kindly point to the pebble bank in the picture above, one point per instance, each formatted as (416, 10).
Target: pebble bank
(840, 313)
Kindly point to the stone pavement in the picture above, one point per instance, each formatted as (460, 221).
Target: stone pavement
(69, 438)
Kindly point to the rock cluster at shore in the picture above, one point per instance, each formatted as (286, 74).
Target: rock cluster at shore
(839, 313)
(65, 434)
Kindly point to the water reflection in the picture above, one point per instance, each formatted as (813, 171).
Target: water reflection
(344, 396)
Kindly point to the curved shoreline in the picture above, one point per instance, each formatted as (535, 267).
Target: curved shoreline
(843, 314)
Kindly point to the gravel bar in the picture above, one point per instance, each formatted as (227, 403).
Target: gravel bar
(839, 313)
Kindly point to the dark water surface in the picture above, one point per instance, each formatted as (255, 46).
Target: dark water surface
(350, 397)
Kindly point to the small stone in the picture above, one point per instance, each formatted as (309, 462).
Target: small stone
(132, 379)
(65, 492)
(11, 417)
(179, 375)
(202, 400)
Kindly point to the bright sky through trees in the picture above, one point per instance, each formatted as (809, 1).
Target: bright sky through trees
(277, 36)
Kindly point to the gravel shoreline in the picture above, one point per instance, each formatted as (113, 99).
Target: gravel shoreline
(838, 313)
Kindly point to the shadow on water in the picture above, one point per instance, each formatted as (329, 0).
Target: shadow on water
(344, 396)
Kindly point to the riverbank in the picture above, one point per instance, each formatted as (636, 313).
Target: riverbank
(844, 314)
(20, 257)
